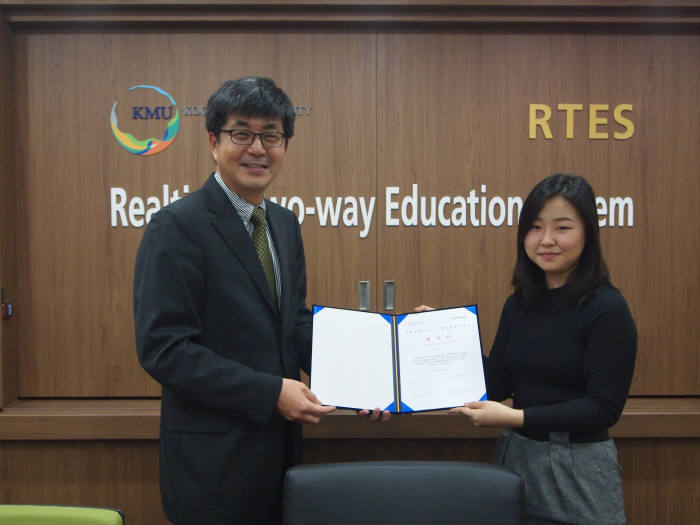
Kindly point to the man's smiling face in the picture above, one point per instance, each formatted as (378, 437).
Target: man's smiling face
(248, 170)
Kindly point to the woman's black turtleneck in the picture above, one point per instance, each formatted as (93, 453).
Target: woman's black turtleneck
(568, 367)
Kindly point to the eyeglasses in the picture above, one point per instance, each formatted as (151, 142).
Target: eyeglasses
(243, 137)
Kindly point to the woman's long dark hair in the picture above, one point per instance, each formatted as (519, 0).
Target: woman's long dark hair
(591, 271)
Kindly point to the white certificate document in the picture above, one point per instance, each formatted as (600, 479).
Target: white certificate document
(402, 363)
(440, 362)
(351, 359)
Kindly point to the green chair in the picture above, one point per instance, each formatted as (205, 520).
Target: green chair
(59, 515)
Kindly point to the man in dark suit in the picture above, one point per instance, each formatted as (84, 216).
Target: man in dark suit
(221, 321)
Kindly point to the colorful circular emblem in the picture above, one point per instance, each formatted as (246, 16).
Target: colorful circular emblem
(152, 145)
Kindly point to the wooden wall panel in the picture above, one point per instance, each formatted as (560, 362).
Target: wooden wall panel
(8, 276)
(116, 474)
(333, 156)
(659, 476)
(454, 116)
(76, 328)
(451, 117)
(438, 115)
(660, 480)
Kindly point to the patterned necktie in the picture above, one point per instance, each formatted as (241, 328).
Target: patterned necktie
(263, 249)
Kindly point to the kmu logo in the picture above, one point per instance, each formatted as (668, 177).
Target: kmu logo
(152, 145)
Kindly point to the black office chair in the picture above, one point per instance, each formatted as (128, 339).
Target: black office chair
(403, 493)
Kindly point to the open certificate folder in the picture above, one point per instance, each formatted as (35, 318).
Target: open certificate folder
(402, 363)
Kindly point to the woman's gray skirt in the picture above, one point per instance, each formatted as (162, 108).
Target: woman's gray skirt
(566, 482)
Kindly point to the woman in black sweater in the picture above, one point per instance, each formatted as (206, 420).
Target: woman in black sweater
(565, 351)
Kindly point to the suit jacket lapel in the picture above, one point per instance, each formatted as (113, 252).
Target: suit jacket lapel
(230, 226)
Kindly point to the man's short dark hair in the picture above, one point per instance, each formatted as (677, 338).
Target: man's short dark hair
(251, 97)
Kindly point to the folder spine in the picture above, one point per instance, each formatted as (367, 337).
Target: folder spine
(395, 362)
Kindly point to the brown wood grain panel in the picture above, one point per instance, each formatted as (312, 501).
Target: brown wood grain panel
(8, 174)
(115, 474)
(436, 119)
(660, 479)
(446, 110)
(325, 451)
(659, 476)
(72, 419)
(332, 158)
(129, 419)
(76, 337)
(454, 116)
(76, 328)
(653, 266)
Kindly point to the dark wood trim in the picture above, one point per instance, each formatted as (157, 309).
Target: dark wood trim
(48, 419)
(667, 417)
(25, 13)
(642, 418)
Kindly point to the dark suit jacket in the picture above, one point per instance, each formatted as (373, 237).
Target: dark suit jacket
(207, 330)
